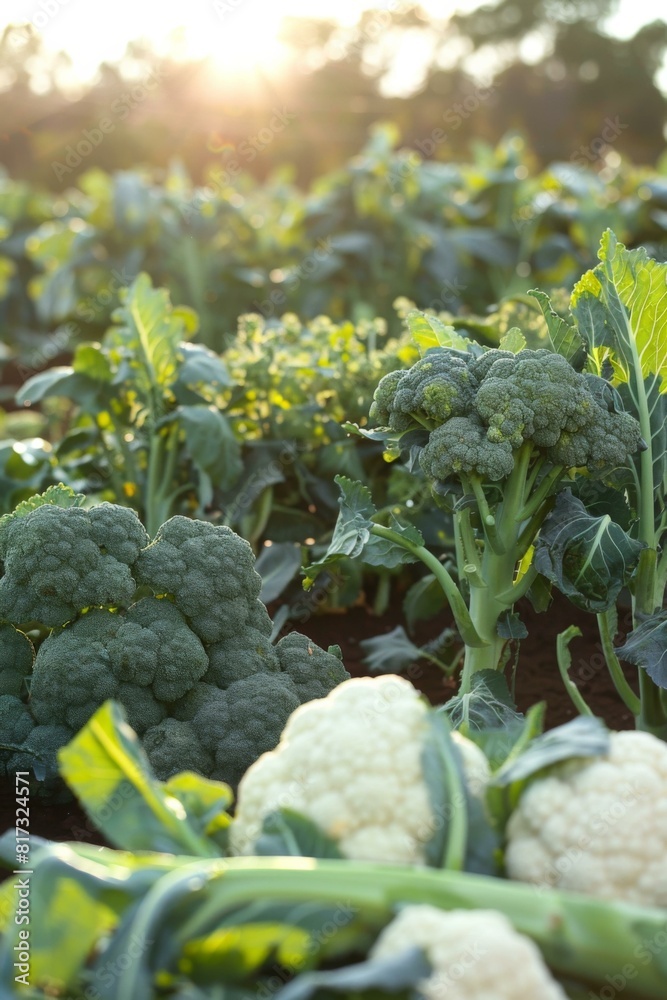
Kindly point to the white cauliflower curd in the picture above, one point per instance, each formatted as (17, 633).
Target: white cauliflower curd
(352, 763)
(474, 955)
(597, 826)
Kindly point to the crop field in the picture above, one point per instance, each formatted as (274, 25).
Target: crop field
(333, 483)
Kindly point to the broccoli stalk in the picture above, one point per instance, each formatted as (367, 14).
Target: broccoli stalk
(496, 435)
(580, 937)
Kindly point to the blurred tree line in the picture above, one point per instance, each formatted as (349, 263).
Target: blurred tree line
(547, 68)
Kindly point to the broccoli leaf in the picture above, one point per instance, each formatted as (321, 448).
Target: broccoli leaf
(565, 338)
(352, 535)
(109, 772)
(287, 833)
(582, 737)
(513, 341)
(390, 653)
(395, 974)
(428, 332)
(488, 705)
(277, 565)
(646, 647)
(620, 305)
(211, 443)
(589, 559)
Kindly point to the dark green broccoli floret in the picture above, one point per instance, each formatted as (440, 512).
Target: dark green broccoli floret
(72, 675)
(208, 570)
(531, 396)
(141, 707)
(382, 407)
(155, 647)
(437, 387)
(16, 724)
(80, 666)
(313, 671)
(174, 746)
(248, 722)
(461, 446)
(597, 443)
(197, 697)
(240, 656)
(39, 751)
(16, 659)
(59, 561)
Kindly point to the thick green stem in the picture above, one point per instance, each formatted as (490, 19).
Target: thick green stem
(564, 659)
(626, 693)
(461, 614)
(581, 937)
(498, 571)
(652, 716)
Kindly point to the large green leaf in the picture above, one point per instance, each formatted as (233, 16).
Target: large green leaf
(150, 330)
(108, 770)
(565, 338)
(352, 535)
(621, 307)
(211, 444)
(646, 647)
(589, 559)
(396, 974)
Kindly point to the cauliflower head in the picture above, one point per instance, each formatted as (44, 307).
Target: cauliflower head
(597, 826)
(474, 955)
(378, 812)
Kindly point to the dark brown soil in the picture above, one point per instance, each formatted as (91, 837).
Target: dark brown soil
(537, 680)
(537, 677)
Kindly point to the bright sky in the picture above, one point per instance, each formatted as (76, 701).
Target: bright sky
(239, 32)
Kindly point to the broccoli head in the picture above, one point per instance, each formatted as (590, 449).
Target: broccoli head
(141, 707)
(16, 724)
(248, 721)
(482, 409)
(462, 446)
(174, 746)
(59, 561)
(39, 752)
(197, 697)
(16, 659)
(78, 667)
(208, 570)
(530, 396)
(154, 647)
(240, 656)
(313, 671)
(437, 387)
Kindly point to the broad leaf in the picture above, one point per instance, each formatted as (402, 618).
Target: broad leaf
(646, 647)
(277, 565)
(109, 772)
(589, 559)
(149, 330)
(620, 306)
(390, 653)
(378, 976)
(428, 332)
(565, 338)
(513, 341)
(211, 444)
(352, 534)
(286, 833)
(582, 737)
